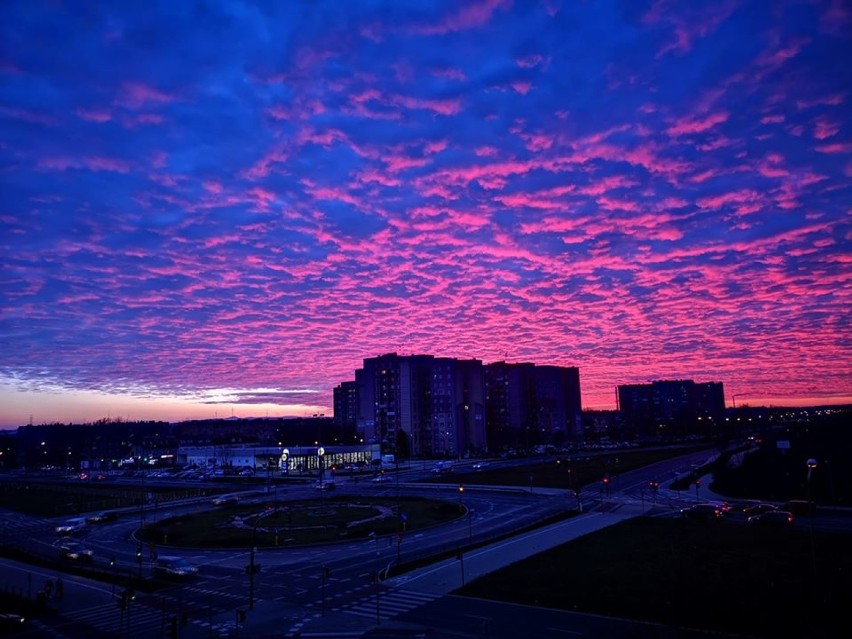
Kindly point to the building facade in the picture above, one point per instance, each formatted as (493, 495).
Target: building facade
(420, 405)
(667, 409)
(529, 405)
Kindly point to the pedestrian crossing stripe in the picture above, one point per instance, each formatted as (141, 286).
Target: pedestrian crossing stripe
(391, 603)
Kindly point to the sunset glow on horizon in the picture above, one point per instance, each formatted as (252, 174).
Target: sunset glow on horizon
(221, 208)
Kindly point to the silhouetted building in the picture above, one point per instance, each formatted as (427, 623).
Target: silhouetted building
(345, 406)
(668, 409)
(421, 405)
(529, 405)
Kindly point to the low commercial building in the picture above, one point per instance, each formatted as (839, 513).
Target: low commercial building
(285, 459)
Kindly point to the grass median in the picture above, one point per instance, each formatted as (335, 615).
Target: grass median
(708, 575)
(295, 523)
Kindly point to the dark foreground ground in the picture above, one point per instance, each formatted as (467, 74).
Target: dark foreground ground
(713, 575)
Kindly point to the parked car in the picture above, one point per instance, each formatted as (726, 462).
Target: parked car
(101, 517)
(706, 512)
(74, 550)
(775, 518)
(72, 526)
(12, 621)
(759, 509)
(174, 568)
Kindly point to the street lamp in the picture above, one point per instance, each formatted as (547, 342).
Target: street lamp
(811, 464)
(252, 567)
(320, 454)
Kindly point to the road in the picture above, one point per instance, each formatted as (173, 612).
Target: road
(294, 596)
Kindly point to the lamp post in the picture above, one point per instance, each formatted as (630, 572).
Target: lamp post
(811, 464)
(320, 454)
(252, 569)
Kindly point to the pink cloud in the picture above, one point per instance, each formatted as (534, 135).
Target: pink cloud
(395, 164)
(159, 160)
(538, 142)
(94, 115)
(91, 163)
(435, 146)
(212, 186)
(703, 21)
(134, 95)
(834, 99)
(472, 15)
(522, 86)
(745, 196)
(825, 128)
(687, 126)
(446, 106)
(530, 61)
(107, 164)
(449, 73)
(485, 151)
(836, 17)
(836, 147)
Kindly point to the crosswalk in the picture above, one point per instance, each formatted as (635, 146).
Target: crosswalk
(386, 604)
(111, 621)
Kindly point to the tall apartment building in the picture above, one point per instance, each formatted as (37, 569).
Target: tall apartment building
(421, 405)
(672, 408)
(345, 404)
(440, 406)
(529, 405)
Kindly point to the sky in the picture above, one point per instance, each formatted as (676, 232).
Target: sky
(221, 208)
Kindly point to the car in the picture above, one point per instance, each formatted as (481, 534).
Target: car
(101, 517)
(11, 621)
(75, 551)
(324, 485)
(246, 472)
(775, 518)
(170, 567)
(759, 509)
(226, 500)
(706, 512)
(72, 526)
(480, 465)
(378, 479)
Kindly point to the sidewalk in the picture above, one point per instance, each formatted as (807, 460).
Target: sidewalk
(448, 575)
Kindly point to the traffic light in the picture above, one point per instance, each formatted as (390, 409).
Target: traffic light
(606, 480)
(241, 616)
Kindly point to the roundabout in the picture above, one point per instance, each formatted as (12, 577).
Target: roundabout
(301, 522)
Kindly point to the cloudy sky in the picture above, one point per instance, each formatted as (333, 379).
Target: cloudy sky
(215, 208)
